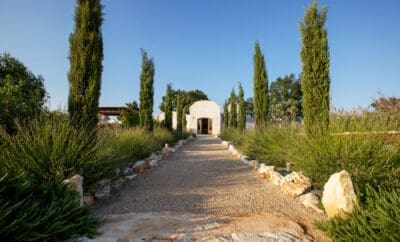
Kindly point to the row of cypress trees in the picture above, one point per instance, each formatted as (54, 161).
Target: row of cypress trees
(234, 110)
(85, 56)
(315, 79)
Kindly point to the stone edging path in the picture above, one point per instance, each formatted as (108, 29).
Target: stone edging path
(203, 193)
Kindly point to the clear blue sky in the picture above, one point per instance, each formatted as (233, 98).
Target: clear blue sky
(208, 45)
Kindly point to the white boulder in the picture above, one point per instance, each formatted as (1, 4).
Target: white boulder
(75, 183)
(310, 201)
(295, 184)
(338, 195)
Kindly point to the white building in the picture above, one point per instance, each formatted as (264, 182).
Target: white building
(204, 118)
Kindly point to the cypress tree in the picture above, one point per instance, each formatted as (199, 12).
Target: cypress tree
(226, 114)
(85, 57)
(233, 110)
(261, 104)
(146, 92)
(184, 121)
(179, 112)
(168, 107)
(242, 111)
(315, 78)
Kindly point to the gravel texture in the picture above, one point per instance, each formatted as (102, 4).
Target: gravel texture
(204, 178)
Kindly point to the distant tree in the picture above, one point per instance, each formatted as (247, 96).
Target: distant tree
(249, 107)
(241, 111)
(315, 78)
(226, 114)
(168, 107)
(179, 113)
(130, 115)
(233, 109)
(191, 97)
(387, 105)
(261, 104)
(285, 99)
(85, 56)
(22, 94)
(146, 92)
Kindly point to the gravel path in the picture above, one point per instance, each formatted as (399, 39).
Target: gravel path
(204, 178)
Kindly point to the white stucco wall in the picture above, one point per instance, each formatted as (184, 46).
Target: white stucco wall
(205, 109)
(200, 109)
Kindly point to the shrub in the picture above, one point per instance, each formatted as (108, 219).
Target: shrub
(377, 220)
(49, 149)
(131, 144)
(233, 134)
(52, 213)
(270, 144)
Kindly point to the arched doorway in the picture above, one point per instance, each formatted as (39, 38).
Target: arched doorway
(204, 126)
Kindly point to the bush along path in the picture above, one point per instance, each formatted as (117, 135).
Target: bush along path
(204, 192)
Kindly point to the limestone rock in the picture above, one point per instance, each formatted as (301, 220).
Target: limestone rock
(88, 200)
(131, 177)
(310, 201)
(117, 184)
(225, 143)
(75, 184)
(155, 156)
(295, 184)
(153, 163)
(262, 237)
(275, 177)
(140, 166)
(104, 190)
(265, 171)
(339, 194)
(128, 171)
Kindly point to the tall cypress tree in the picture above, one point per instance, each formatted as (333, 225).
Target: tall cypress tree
(233, 110)
(315, 78)
(261, 104)
(85, 57)
(168, 107)
(179, 112)
(226, 115)
(184, 121)
(242, 111)
(146, 92)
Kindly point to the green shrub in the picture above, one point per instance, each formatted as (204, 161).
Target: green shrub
(51, 213)
(233, 134)
(377, 220)
(131, 144)
(49, 149)
(270, 144)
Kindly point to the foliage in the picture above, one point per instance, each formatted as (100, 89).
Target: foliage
(52, 213)
(131, 144)
(190, 97)
(168, 107)
(261, 102)
(22, 94)
(315, 78)
(235, 135)
(50, 149)
(377, 220)
(241, 111)
(146, 92)
(184, 121)
(226, 115)
(233, 110)
(85, 55)
(286, 99)
(249, 107)
(269, 144)
(390, 104)
(130, 115)
(179, 113)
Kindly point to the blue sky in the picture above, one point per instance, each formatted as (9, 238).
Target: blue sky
(208, 45)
